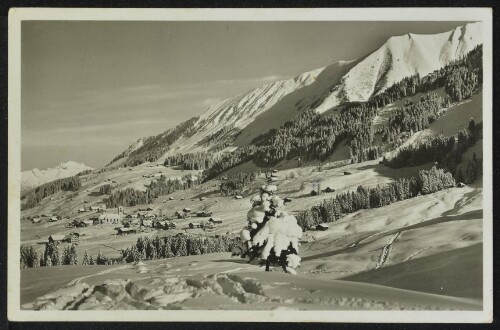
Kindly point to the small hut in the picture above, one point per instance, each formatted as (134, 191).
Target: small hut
(314, 193)
(328, 190)
(322, 227)
(56, 238)
(193, 225)
(126, 231)
(215, 220)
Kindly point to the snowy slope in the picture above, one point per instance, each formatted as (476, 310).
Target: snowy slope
(34, 178)
(250, 114)
(400, 57)
(239, 111)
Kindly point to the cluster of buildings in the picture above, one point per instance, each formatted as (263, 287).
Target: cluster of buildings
(47, 216)
(73, 238)
(326, 190)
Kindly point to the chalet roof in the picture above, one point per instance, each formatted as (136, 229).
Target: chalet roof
(323, 225)
(57, 237)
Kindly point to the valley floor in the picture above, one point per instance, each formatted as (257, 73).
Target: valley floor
(424, 253)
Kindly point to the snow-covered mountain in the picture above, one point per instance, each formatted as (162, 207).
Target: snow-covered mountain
(242, 118)
(400, 57)
(34, 178)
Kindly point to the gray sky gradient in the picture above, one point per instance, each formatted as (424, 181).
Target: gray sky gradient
(89, 89)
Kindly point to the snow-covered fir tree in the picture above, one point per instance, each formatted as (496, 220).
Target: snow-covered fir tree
(272, 234)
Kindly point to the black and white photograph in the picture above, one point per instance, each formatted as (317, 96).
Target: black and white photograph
(250, 165)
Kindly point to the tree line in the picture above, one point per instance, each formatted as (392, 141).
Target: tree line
(237, 183)
(427, 181)
(144, 249)
(414, 117)
(34, 196)
(51, 256)
(161, 186)
(433, 149)
(175, 246)
(446, 151)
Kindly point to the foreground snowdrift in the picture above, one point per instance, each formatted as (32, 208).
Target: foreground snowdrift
(161, 288)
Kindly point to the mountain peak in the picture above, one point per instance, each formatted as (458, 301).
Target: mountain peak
(400, 57)
(36, 177)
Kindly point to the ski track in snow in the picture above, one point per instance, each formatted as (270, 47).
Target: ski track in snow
(386, 251)
(102, 272)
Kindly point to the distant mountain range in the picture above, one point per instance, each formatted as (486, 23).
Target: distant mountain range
(34, 178)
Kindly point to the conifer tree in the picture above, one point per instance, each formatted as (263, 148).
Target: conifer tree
(85, 260)
(271, 234)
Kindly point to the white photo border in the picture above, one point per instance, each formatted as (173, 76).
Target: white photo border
(17, 15)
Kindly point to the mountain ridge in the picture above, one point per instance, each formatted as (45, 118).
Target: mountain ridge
(240, 119)
(36, 177)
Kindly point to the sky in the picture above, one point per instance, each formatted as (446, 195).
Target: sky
(89, 89)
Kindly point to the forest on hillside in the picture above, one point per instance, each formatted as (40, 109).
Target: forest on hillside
(34, 196)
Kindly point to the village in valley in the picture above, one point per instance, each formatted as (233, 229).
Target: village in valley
(87, 220)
